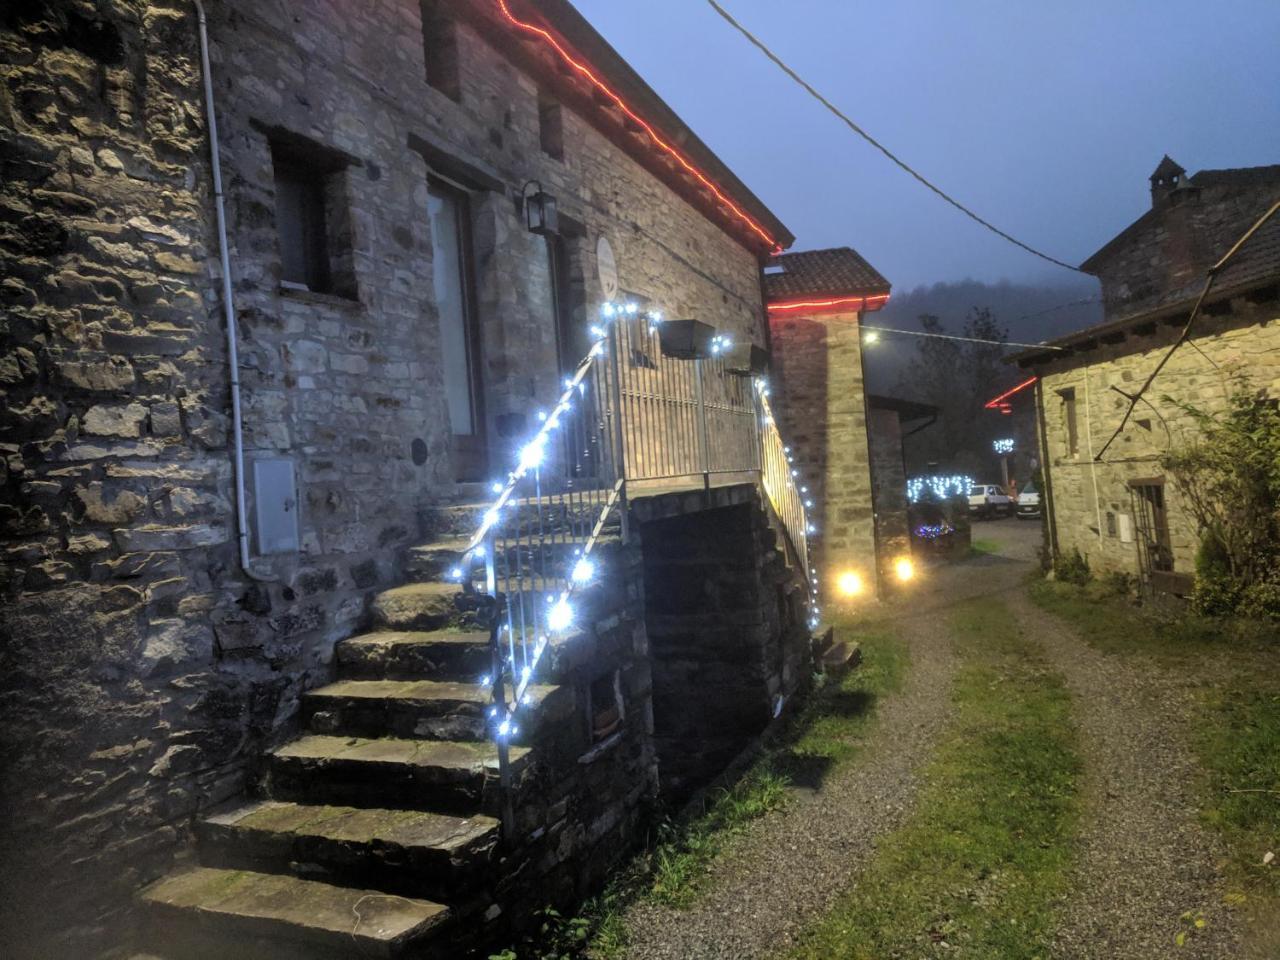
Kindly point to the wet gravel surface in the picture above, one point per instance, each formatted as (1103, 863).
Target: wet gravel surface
(1144, 859)
(775, 877)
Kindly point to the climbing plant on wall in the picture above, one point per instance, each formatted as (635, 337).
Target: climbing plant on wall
(1228, 473)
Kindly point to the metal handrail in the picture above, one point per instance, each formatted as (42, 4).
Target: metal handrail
(787, 495)
(628, 414)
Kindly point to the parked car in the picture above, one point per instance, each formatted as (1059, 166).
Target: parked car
(1029, 502)
(989, 499)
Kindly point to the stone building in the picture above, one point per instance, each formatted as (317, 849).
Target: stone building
(887, 429)
(256, 695)
(1117, 508)
(816, 302)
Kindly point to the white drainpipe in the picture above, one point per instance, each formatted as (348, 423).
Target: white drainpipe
(228, 307)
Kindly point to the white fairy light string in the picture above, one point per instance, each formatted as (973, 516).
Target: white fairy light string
(560, 616)
(940, 487)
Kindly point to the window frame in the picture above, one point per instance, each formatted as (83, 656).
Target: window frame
(441, 53)
(292, 179)
(472, 447)
(550, 126)
(1070, 421)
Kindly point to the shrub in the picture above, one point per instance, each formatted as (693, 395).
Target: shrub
(1072, 567)
(1261, 599)
(1229, 478)
(1118, 583)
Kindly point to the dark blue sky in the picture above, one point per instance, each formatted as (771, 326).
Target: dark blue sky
(1045, 117)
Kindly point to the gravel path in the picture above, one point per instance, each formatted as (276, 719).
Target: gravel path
(785, 869)
(1144, 858)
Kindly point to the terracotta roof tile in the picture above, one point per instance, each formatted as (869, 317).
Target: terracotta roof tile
(839, 271)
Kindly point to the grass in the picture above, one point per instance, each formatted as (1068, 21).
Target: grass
(1233, 671)
(980, 862)
(983, 547)
(1105, 619)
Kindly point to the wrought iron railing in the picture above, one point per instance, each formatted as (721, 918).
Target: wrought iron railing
(630, 419)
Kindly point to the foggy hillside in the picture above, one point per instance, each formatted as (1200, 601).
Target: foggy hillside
(1031, 314)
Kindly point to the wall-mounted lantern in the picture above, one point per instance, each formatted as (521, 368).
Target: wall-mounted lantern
(540, 210)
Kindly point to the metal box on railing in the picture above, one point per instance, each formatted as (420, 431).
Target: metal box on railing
(686, 339)
(746, 359)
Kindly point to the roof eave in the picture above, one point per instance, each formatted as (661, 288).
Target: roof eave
(1123, 325)
(561, 18)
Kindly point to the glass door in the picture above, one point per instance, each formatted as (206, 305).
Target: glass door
(459, 330)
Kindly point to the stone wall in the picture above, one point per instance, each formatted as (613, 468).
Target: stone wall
(888, 484)
(1163, 257)
(594, 785)
(821, 410)
(1090, 499)
(144, 671)
(725, 619)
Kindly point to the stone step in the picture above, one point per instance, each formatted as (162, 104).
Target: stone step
(448, 521)
(822, 640)
(415, 654)
(430, 709)
(555, 553)
(842, 655)
(427, 606)
(403, 851)
(434, 561)
(263, 915)
(446, 776)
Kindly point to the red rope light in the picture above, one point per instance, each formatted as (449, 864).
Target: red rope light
(996, 402)
(600, 85)
(863, 303)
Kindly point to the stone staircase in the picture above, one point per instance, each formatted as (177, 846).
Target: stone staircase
(375, 832)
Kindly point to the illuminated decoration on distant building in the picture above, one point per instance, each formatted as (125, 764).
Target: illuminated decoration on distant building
(835, 304)
(585, 71)
(1004, 445)
(938, 488)
(1001, 402)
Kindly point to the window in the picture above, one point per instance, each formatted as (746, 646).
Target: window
(604, 706)
(312, 220)
(640, 340)
(1155, 551)
(562, 305)
(452, 272)
(1069, 421)
(440, 50)
(550, 127)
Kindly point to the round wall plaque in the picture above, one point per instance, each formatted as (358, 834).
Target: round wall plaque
(607, 268)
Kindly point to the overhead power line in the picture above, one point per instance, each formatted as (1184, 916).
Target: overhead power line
(948, 336)
(1054, 309)
(880, 146)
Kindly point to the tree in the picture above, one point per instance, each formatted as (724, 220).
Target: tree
(959, 378)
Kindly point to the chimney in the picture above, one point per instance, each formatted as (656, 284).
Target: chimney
(1167, 178)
